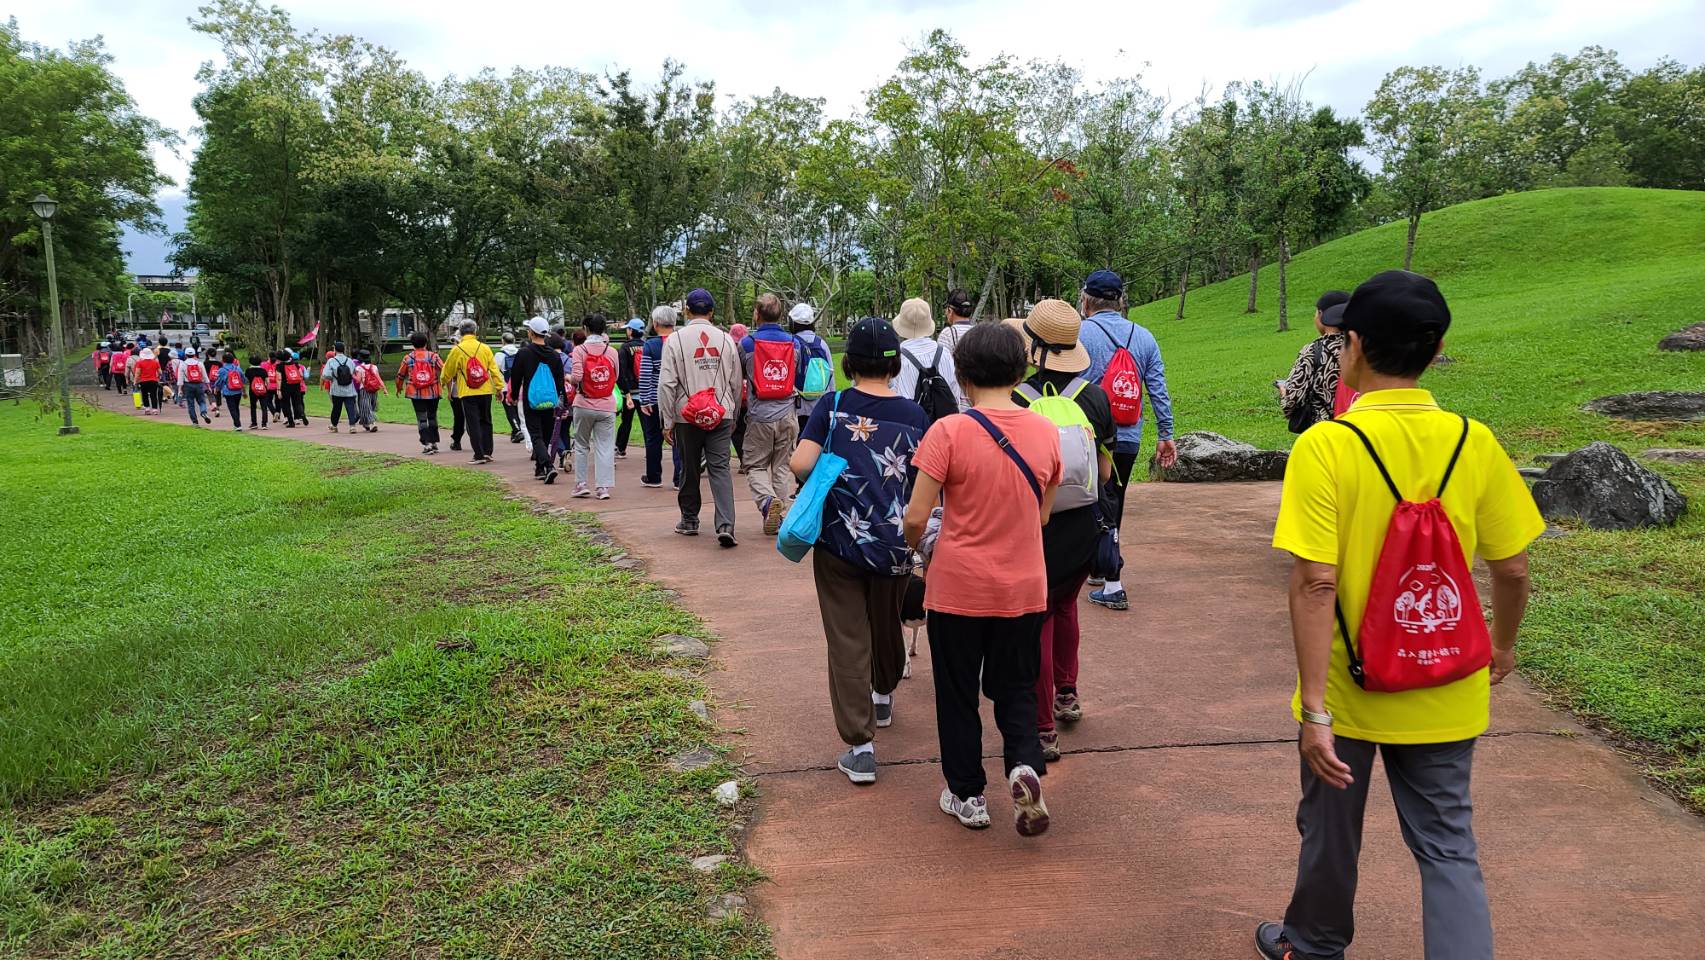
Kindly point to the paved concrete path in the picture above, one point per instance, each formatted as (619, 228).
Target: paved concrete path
(1173, 809)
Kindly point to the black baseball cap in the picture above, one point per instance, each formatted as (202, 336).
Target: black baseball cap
(1331, 298)
(873, 337)
(1395, 302)
(1333, 315)
(960, 301)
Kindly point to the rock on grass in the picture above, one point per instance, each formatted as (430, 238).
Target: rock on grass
(1605, 489)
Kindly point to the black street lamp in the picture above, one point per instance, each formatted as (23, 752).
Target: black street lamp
(44, 207)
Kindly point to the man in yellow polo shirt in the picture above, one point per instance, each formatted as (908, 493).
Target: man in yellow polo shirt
(1332, 519)
(472, 368)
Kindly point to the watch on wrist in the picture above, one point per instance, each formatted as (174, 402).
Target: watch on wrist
(1321, 719)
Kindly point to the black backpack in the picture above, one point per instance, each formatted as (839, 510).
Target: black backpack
(933, 392)
(344, 375)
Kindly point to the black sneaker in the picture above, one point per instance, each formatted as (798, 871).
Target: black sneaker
(687, 528)
(550, 476)
(725, 536)
(456, 445)
(1270, 943)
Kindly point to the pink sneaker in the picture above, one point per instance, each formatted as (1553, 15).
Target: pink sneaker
(603, 493)
(581, 490)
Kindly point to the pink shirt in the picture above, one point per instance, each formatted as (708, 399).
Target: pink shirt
(988, 561)
(577, 361)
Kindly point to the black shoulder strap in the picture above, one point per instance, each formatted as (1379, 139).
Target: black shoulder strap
(1395, 493)
(911, 359)
(935, 364)
(1006, 445)
(1455, 456)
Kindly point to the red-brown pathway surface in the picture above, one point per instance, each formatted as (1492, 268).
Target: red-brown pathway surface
(1173, 830)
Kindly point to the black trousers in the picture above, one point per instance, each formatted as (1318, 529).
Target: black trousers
(1113, 491)
(624, 426)
(150, 394)
(263, 403)
(539, 426)
(345, 405)
(234, 403)
(293, 404)
(476, 412)
(1006, 653)
(426, 419)
(458, 425)
(513, 415)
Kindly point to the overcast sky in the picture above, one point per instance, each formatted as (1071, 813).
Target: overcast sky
(839, 50)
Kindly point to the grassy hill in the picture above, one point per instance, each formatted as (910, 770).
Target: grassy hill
(1556, 297)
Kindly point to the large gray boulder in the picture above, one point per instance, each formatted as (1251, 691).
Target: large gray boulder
(1652, 405)
(1687, 338)
(1205, 457)
(1604, 488)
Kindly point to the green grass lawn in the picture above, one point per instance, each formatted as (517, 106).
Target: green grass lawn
(1557, 297)
(266, 700)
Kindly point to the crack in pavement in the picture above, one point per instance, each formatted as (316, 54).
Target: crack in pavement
(1116, 748)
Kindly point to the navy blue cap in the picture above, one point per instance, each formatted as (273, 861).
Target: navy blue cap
(700, 302)
(873, 337)
(1332, 316)
(1104, 285)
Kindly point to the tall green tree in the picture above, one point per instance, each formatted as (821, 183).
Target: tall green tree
(1423, 122)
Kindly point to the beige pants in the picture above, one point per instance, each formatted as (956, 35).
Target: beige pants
(768, 448)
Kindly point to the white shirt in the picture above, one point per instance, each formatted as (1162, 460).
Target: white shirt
(924, 351)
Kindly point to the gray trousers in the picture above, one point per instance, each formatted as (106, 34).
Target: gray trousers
(713, 447)
(1430, 784)
(595, 446)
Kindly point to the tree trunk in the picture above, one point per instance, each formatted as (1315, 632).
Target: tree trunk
(1183, 288)
(1254, 275)
(1409, 245)
(1284, 258)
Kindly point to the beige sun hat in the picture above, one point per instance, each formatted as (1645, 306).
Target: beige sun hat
(1051, 337)
(914, 320)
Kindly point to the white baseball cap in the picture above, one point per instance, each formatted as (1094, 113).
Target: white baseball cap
(539, 326)
(802, 314)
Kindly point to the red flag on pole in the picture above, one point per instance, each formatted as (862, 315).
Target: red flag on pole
(309, 337)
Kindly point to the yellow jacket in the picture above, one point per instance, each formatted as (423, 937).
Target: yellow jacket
(456, 368)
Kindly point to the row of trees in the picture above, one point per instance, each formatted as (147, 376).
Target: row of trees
(69, 130)
(333, 178)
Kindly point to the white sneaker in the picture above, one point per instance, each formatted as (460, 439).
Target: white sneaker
(581, 490)
(1030, 814)
(973, 813)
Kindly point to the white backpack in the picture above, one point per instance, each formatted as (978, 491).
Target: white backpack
(1078, 468)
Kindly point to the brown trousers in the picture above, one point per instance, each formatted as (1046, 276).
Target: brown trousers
(861, 621)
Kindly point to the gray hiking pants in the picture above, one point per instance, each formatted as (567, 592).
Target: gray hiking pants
(712, 448)
(1429, 783)
(595, 447)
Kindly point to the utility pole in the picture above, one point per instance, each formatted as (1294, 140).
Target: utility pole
(44, 208)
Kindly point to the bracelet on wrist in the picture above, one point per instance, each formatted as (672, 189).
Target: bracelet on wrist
(1320, 719)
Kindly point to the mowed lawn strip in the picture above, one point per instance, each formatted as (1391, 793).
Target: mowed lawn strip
(272, 700)
(1557, 297)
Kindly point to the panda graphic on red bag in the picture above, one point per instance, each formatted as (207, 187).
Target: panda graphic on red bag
(1423, 626)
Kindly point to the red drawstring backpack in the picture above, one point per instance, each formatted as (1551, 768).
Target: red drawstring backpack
(772, 368)
(1423, 626)
(598, 374)
(1123, 382)
(1342, 397)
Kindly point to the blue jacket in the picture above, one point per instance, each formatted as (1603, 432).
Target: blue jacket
(222, 377)
(1101, 335)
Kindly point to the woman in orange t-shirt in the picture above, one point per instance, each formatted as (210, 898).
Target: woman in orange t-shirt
(994, 469)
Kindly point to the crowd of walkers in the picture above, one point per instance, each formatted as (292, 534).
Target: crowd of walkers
(974, 479)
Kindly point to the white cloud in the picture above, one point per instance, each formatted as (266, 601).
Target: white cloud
(839, 50)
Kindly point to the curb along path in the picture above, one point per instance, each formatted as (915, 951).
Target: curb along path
(1174, 806)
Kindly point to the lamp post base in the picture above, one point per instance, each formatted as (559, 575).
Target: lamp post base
(65, 430)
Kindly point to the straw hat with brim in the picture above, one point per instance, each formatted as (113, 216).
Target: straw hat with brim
(914, 320)
(1050, 337)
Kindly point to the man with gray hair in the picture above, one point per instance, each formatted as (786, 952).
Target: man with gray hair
(645, 397)
(472, 371)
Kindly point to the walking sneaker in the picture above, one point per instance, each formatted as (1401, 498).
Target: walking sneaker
(621, 454)
(550, 476)
(332, 428)
(372, 428)
(884, 713)
(582, 490)
(1112, 601)
(973, 812)
(482, 458)
(651, 484)
(434, 450)
(353, 429)
(1050, 745)
(859, 767)
(1067, 709)
(1029, 813)
(1271, 944)
(687, 528)
(602, 493)
(515, 437)
(455, 445)
(426, 450)
(725, 536)
(1096, 581)
(775, 510)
